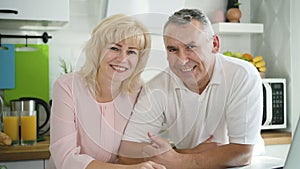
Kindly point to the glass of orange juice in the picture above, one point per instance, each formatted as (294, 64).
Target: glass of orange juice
(11, 125)
(28, 127)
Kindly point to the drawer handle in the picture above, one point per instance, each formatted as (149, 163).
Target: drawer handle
(8, 11)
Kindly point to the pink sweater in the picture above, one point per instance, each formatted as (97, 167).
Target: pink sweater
(83, 129)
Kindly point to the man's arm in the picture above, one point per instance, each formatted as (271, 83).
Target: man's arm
(131, 152)
(160, 151)
(229, 155)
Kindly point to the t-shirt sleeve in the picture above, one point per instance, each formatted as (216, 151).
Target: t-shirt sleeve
(63, 143)
(244, 109)
(147, 116)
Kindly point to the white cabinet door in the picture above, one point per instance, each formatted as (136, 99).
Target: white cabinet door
(35, 164)
(39, 10)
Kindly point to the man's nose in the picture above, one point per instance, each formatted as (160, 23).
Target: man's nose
(183, 57)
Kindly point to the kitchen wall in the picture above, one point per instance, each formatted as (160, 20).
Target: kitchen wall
(279, 45)
(68, 41)
(233, 42)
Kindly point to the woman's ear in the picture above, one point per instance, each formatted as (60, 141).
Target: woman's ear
(216, 44)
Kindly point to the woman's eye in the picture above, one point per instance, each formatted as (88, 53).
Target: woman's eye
(114, 48)
(132, 52)
(171, 49)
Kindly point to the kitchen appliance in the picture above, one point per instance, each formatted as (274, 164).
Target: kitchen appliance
(34, 104)
(274, 102)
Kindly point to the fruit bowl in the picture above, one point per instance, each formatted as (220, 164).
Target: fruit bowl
(258, 61)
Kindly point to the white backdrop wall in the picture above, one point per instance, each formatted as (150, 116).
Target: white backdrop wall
(67, 42)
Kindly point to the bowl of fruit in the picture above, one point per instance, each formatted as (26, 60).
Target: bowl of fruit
(258, 60)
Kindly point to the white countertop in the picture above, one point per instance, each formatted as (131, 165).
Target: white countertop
(264, 162)
(274, 156)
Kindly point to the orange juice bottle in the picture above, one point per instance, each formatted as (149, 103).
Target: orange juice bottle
(11, 127)
(28, 130)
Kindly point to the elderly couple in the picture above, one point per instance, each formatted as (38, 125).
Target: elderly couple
(203, 111)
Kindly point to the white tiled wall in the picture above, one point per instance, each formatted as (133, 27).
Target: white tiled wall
(279, 45)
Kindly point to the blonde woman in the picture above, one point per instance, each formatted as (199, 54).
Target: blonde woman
(91, 107)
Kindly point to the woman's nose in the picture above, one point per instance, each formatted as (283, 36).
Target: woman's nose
(123, 55)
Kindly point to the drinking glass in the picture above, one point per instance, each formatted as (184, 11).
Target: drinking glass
(11, 125)
(28, 127)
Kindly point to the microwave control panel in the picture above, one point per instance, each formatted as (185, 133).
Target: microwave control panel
(277, 103)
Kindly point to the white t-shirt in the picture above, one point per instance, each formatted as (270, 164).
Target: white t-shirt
(230, 108)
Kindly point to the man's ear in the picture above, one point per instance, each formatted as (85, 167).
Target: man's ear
(216, 44)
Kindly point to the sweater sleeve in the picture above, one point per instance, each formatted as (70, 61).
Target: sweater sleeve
(64, 147)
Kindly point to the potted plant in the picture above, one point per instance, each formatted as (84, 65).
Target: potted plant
(233, 13)
(64, 66)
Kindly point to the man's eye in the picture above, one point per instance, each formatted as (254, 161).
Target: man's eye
(190, 47)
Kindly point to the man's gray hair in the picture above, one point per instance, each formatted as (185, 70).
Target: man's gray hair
(185, 16)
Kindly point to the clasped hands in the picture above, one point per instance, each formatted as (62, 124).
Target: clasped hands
(161, 152)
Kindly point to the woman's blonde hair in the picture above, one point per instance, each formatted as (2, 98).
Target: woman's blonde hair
(113, 30)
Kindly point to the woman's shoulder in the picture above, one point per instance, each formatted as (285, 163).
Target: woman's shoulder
(66, 78)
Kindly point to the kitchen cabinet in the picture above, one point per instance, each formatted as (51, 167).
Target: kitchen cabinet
(31, 164)
(26, 157)
(19, 14)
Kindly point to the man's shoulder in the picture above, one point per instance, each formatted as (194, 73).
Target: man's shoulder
(164, 79)
(237, 67)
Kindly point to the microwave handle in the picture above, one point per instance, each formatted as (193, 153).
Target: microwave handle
(269, 112)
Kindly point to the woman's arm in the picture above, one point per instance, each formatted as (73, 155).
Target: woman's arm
(64, 148)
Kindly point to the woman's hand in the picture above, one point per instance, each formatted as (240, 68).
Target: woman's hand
(5, 139)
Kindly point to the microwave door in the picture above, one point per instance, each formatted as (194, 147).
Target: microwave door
(269, 113)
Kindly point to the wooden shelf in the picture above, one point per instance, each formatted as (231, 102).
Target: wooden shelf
(237, 28)
(278, 137)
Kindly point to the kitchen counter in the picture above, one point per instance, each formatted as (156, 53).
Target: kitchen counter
(18, 153)
(41, 149)
(276, 137)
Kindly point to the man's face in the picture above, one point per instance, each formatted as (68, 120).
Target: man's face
(190, 52)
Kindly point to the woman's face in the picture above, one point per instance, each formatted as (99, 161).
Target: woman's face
(119, 61)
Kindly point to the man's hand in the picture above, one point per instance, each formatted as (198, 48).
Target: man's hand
(161, 152)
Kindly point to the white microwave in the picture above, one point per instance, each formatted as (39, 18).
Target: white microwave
(274, 103)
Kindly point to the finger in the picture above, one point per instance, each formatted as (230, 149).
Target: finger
(156, 165)
(158, 141)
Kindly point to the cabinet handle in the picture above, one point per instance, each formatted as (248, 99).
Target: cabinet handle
(8, 11)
